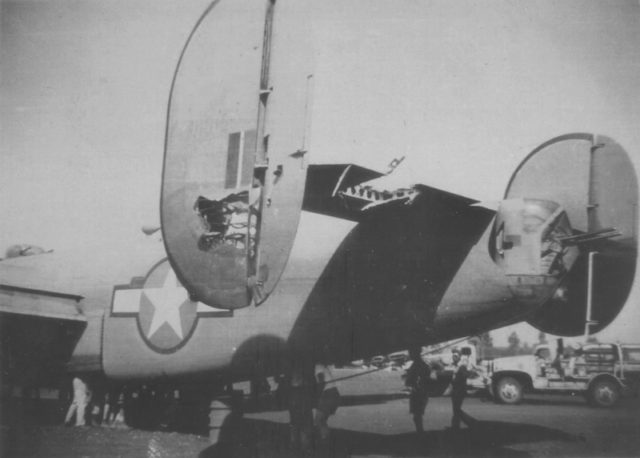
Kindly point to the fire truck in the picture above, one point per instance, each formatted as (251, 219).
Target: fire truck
(602, 373)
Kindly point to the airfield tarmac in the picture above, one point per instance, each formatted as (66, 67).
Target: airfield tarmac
(373, 421)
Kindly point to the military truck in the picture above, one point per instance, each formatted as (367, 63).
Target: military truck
(602, 373)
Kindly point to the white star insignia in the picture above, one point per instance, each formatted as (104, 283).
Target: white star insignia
(166, 302)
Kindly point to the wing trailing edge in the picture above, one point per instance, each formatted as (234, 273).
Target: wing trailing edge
(39, 303)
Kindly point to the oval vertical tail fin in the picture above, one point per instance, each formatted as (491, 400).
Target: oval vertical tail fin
(594, 180)
(230, 169)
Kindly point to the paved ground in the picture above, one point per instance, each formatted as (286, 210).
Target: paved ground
(374, 422)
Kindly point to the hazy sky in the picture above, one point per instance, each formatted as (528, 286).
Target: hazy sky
(464, 89)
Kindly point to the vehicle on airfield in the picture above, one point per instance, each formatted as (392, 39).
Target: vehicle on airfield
(379, 361)
(440, 360)
(398, 359)
(272, 261)
(601, 372)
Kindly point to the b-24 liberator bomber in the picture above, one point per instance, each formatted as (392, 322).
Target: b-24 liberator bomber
(273, 259)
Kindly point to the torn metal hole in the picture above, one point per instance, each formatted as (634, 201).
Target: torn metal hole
(230, 221)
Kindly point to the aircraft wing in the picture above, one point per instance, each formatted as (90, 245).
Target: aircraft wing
(39, 327)
(39, 303)
(349, 191)
(23, 291)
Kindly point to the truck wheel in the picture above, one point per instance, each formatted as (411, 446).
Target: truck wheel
(604, 393)
(509, 390)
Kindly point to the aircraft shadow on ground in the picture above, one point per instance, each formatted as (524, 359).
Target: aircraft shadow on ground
(270, 404)
(261, 438)
(369, 399)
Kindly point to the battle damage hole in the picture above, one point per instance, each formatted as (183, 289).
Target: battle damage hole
(227, 221)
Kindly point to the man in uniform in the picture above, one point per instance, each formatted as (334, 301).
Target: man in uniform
(301, 400)
(459, 389)
(328, 400)
(417, 381)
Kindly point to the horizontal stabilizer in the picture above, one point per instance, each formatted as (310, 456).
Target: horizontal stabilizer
(325, 185)
(349, 191)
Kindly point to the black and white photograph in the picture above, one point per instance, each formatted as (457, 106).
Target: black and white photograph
(337, 228)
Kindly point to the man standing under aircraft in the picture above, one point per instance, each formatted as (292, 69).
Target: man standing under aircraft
(459, 389)
(418, 381)
(81, 397)
(328, 400)
(301, 397)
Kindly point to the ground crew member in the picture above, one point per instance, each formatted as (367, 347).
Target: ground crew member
(417, 380)
(328, 400)
(301, 398)
(81, 398)
(459, 390)
(114, 408)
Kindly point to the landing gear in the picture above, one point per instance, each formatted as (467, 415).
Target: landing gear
(225, 413)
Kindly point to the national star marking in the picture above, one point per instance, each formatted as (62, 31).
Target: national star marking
(166, 302)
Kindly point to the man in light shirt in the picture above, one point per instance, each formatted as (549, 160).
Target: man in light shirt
(81, 398)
